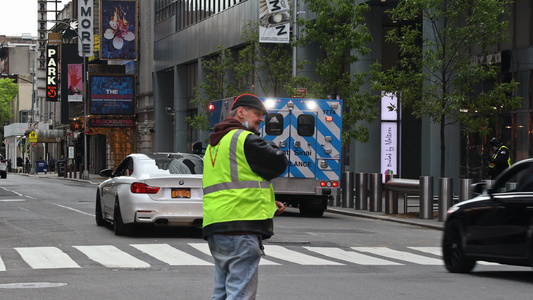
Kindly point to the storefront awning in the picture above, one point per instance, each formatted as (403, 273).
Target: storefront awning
(48, 135)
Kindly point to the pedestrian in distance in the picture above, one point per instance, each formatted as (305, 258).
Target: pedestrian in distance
(52, 164)
(500, 160)
(239, 202)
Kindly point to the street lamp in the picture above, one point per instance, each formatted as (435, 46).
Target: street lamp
(73, 26)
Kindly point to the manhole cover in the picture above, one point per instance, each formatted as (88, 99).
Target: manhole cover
(31, 285)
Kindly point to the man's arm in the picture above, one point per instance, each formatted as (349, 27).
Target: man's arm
(265, 158)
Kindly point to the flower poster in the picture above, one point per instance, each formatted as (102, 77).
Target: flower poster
(75, 83)
(119, 31)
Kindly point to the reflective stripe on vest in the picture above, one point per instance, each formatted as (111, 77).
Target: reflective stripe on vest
(232, 190)
(234, 171)
(508, 157)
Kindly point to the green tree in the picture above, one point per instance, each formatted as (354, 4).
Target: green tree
(269, 64)
(435, 74)
(340, 32)
(218, 84)
(8, 91)
(228, 73)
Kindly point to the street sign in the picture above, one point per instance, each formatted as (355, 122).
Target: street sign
(300, 93)
(32, 137)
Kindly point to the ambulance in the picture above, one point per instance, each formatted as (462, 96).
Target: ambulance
(309, 131)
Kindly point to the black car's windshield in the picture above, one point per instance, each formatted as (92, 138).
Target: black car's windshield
(520, 180)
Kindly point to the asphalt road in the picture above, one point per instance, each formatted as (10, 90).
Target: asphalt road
(51, 248)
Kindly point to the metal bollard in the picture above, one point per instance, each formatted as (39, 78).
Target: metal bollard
(361, 196)
(425, 190)
(488, 183)
(445, 197)
(391, 198)
(347, 190)
(465, 189)
(376, 194)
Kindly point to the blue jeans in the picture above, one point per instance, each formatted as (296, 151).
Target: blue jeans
(236, 265)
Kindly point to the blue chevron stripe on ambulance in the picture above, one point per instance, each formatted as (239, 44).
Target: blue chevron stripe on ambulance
(309, 131)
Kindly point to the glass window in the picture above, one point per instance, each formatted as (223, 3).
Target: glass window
(181, 163)
(274, 124)
(306, 125)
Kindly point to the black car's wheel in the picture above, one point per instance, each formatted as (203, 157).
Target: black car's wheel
(118, 225)
(454, 257)
(98, 211)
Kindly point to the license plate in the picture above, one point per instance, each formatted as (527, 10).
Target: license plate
(181, 193)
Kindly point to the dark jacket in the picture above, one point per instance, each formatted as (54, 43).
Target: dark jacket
(499, 161)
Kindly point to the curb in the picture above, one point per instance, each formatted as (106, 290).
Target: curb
(384, 218)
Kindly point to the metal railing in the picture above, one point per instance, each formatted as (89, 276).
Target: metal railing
(368, 191)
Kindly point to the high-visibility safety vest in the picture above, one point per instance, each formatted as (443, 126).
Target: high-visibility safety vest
(232, 191)
(496, 155)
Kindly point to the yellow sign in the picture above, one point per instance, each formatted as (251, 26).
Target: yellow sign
(33, 137)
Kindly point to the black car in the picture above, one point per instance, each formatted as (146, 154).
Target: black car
(496, 226)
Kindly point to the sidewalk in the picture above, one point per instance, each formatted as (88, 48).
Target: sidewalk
(398, 218)
(93, 178)
(409, 219)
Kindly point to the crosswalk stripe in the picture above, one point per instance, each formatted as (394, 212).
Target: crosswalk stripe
(171, 255)
(438, 251)
(400, 255)
(296, 257)
(2, 266)
(204, 248)
(431, 250)
(352, 257)
(112, 257)
(46, 258)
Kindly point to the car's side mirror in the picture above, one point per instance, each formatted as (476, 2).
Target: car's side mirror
(479, 187)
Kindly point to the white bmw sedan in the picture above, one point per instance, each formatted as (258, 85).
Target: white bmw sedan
(151, 188)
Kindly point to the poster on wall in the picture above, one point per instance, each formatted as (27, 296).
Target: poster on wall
(112, 95)
(75, 83)
(119, 30)
(389, 148)
(274, 21)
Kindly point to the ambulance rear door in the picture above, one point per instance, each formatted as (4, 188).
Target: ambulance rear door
(302, 143)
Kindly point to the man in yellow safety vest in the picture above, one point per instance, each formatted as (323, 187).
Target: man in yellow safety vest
(239, 201)
(500, 160)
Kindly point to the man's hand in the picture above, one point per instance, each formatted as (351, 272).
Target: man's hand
(280, 208)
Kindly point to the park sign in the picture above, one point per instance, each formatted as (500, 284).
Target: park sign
(85, 28)
(52, 73)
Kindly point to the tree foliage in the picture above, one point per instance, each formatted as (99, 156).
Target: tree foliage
(228, 73)
(436, 75)
(270, 64)
(218, 84)
(340, 32)
(8, 91)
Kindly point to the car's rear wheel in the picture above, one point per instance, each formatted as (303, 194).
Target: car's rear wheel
(98, 211)
(118, 225)
(453, 255)
(3, 174)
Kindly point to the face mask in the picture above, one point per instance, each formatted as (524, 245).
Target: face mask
(245, 123)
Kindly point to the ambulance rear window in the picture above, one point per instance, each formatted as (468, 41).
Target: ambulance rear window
(306, 125)
(274, 124)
